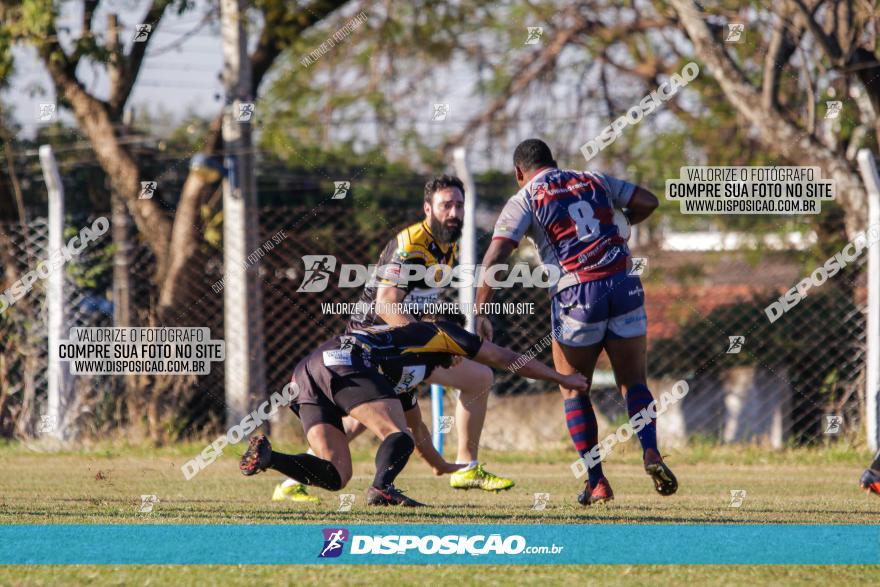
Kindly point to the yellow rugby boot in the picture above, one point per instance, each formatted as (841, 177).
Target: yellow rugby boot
(293, 493)
(479, 478)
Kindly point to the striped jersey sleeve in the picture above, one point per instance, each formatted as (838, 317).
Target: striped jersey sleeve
(515, 219)
(619, 191)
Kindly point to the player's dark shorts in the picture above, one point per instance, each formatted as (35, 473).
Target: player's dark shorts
(588, 313)
(332, 382)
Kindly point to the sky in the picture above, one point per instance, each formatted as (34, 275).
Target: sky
(179, 74)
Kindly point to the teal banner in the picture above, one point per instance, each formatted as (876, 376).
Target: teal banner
(440, 544)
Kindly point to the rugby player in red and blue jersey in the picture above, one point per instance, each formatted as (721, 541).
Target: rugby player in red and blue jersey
(596, 304)
(870, 480)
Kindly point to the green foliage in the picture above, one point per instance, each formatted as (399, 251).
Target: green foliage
(356, 81)
(213, 226)
(6, 61)
(92, 270)
(25, 21)
(36, 19)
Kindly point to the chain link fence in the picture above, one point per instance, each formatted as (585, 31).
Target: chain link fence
(777, 384)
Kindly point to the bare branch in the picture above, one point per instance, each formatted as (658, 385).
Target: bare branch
(93, 117)
(810, 122)
(603, 81)
(783, 44)
(273, 39)
(184, 238)
(828, 43)
(8, 142)
(89, 7)
(777, 133)
(530, 68)
(131, 64)
(770, 97)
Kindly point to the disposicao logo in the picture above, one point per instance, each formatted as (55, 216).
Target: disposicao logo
(334, 540)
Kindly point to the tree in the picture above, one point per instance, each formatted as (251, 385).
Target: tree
(172, 237)
(757, 103)
(844, 42)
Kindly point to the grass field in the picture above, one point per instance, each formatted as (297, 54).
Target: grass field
(104, 485)
(402, 576)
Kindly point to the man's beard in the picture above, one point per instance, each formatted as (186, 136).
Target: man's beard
(445, 232)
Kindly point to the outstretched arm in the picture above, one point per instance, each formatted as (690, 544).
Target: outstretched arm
(424, 444)
(499, 251)
(525, 366)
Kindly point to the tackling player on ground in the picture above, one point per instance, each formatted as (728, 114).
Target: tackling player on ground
(363, 374)
(427, 244)
(596, 304)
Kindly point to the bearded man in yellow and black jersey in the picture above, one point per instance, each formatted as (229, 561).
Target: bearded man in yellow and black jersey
(397, 295)
(398, 298)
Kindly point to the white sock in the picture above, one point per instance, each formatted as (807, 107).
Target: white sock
(292, 482)
(470, 465)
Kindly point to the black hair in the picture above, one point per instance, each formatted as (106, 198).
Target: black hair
(439, 182)
(533, 154)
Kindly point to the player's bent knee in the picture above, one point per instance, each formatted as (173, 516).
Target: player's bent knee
(478, 382)
(343, 469)
(410, 436)
(344, 478)
(485, 378)
(573, 393)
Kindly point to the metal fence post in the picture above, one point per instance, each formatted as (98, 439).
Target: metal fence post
(868, 167)
(242, 295)
(59, 380)
(467, 295)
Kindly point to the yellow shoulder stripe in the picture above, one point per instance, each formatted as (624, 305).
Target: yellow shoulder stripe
(439, 343)
(412, 242)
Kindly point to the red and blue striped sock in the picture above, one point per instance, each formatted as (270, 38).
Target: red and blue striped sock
(639, 397)
(876, 464)
(584, 430)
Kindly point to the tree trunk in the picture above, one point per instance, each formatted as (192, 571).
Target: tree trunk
(776, 132)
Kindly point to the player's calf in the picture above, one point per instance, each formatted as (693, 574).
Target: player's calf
(391, 458)
(584, 431)
(642, 408)
(305, 468)
(308, 470)
(638, 403)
